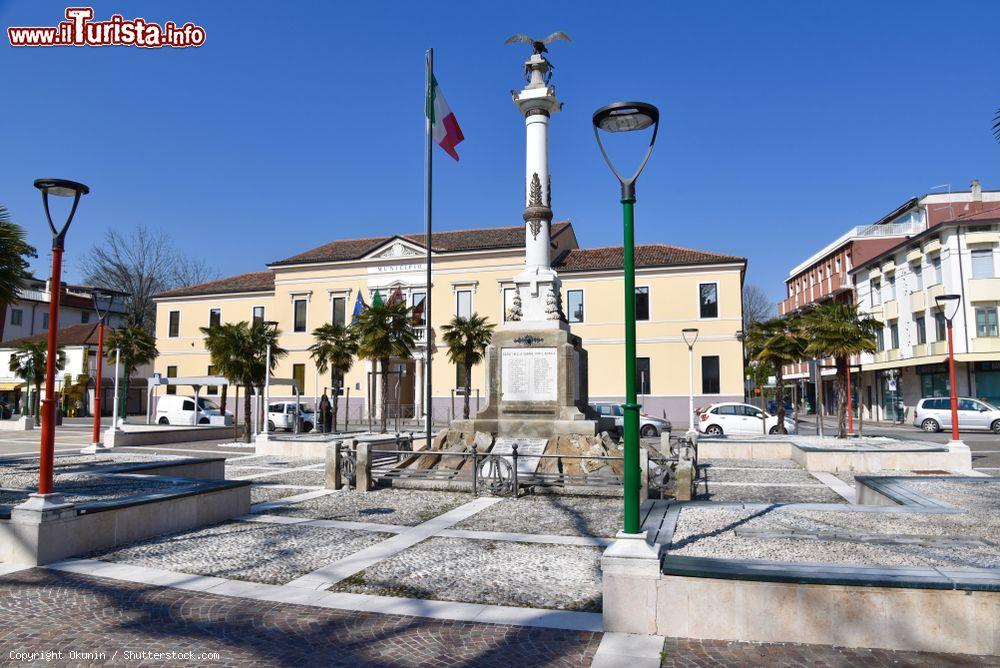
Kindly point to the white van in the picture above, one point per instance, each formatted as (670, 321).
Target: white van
(177, 409)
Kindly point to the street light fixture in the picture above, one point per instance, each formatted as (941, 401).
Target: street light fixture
(690, 335)
(102, 314)
(59, 188)
(948, 304)
(628, 117)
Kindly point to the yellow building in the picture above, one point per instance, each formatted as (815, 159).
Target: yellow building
(472, 272)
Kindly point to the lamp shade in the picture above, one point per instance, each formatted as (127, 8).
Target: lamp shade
(949, 305)
(690, 335)
(61, 187)
(626, 116)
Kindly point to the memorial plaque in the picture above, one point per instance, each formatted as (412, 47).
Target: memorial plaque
(526, 447)
(528, 374)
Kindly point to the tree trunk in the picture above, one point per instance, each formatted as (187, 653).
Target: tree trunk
(779, 398)
(35, 403)
(841, 363)
(246, 413)
(222, 400)
(124, 399)
(384, 364)
(468, 389)
(236, 412)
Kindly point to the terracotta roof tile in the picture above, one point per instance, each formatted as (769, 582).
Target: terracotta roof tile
(74, 335)
(258, 281)
(647, 255)
(444, 242)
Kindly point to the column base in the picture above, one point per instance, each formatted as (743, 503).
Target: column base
(96, 448)
(41, 507)
(631, 570)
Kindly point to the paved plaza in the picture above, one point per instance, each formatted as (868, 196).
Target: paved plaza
(314, 576)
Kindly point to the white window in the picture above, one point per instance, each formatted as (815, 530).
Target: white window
(982, 263)
(338, 308)
(890, 288)
(875, 288)
(986, 321)
(574, 302)
(258, 314)
(508, 302)
(214, 317)
(16, 316)
(918, 277)
(935, 270)
(174, 324)
(463, 304)
(299, 315)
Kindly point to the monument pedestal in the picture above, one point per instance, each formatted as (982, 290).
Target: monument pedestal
(536, 377)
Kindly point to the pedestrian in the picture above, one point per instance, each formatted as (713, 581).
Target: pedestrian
(326, 414)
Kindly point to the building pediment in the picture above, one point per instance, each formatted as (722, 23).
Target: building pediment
(396, 249)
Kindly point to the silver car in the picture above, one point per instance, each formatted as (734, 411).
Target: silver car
(934, 414)
(649, 426)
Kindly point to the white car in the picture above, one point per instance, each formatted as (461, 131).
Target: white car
(178, 409)
(739, 420)
(282, 416)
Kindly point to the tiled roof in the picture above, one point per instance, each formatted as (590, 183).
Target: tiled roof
(984, 214)
(258, 281)
(647, 255)
(74, 335)
(444, 242)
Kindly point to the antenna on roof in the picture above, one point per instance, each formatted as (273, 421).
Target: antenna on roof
(951, 209)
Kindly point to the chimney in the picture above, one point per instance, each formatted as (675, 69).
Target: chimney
(977, 191)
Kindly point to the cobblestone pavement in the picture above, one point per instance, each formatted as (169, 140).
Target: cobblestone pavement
(563, 577)
(45, 611)
(268, 553)
(407, 507)
(551, 514)
(689, 653)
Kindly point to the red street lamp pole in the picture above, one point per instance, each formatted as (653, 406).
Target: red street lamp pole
(102, 315)
(949, 307)
(61, 188)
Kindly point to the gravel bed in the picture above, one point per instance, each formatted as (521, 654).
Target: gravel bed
(712, 533)
(750, 463)
(263, 493)
(494, 573)
(981, 499)
(276, 462)
(550, 514)
(315, 478)
(407, 507)
(758, 475)
(82, 488)
(254, 551)
(818, 493)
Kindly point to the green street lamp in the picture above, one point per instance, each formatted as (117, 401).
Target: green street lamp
(629, 117)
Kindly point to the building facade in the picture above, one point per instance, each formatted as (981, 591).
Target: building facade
(473, 272)
(829, 274)
(898, 287)
(29, 315)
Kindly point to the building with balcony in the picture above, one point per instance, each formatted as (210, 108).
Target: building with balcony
(472, 272)
(29, 315)
(75, 382)
(899, 286)
(829, 274)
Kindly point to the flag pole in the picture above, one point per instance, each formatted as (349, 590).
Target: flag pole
(428, 176)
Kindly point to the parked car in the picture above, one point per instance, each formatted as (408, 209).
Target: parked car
(179, 409)
(739, 419)
(934, 414)
(282, 416)
(649, 426)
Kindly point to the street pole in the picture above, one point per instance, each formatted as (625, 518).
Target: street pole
(48, 402)
(850, 409)
(96, 439)
(630, 407)
(118, 359)
(267, 387)
(691, 386)
(428, 211)
(954, 388)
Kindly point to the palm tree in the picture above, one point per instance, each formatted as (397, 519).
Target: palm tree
(136, 347)
(996, 126)
(334, 349)
(774, 343)
(385, 331)
(13, 251)
(28, 362)
(837, 330)
(239, 352)
(467, 339)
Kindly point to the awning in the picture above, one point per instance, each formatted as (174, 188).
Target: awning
(11, 386)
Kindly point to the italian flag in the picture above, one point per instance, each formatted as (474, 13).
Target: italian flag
(444, 125)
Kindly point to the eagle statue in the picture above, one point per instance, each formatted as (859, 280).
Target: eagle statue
(539, 45)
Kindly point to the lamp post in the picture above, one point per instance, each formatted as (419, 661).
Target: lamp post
(628, 117)
(949, 307)
(102, 314)
(272, 325)
(59, 188)
(690, 335)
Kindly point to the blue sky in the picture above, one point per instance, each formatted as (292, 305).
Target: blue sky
(297, 123)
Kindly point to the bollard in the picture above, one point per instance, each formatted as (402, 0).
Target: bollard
(665, 444)
(475, 470)
(363, 476)
(333, 477)
(514, 474)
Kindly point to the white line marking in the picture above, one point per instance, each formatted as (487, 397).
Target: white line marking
(837, 485)
(298, 498)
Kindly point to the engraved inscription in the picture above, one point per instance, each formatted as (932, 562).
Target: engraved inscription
(528, 374)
